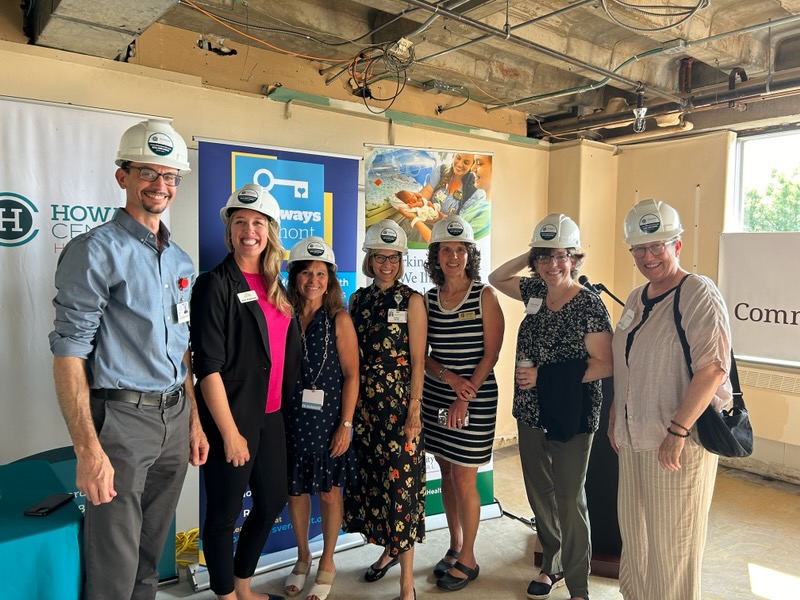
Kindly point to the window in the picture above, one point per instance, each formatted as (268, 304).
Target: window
(769, 183)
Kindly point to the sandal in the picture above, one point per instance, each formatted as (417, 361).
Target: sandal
(297, 578)
(539, 590)
(374, 573)
(452, 583)
(443, 566)
(322, 585)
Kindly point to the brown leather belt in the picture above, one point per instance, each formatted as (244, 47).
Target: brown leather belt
(161, 401)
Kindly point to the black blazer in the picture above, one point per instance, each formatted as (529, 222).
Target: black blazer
(229, 337)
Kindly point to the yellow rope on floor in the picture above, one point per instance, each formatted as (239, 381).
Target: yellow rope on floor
(187, 550)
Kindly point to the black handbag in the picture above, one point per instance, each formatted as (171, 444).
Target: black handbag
(725, 432)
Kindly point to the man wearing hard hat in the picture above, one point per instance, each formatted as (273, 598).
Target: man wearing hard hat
(121, 368)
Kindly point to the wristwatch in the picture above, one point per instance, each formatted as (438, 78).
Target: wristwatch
(347, 424)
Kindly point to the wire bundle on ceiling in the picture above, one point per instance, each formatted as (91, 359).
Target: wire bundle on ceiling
(675, 14)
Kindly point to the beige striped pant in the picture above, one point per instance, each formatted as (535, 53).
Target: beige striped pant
(663, 518)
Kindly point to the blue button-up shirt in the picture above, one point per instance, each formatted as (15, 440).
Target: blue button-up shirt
(116, 306)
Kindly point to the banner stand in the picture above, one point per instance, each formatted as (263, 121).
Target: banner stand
(198, 574)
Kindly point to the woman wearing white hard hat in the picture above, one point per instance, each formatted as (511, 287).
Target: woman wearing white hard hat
(666, 478)
(246, 352)
(388, 503)
(465, 332)
(563, 350)
(319, 419)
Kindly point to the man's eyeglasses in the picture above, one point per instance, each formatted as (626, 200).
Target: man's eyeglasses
(656, 249)
(545, 259)
(148, 174)
(382, 258)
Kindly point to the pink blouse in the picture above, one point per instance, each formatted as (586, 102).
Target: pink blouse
(277, 328)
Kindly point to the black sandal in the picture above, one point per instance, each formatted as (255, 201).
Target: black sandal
(374, 574)
(539, 590)
(451, 583)
(443, 566)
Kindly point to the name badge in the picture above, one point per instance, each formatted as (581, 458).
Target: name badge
(313, 399)
(248, 296)
(398, 316)
(625, 320)
(182, 308)
(467, 315)
(533, 306)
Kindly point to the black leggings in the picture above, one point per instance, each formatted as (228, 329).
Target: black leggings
(266, 473)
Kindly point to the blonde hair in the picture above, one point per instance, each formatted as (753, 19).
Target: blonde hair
(270, 265)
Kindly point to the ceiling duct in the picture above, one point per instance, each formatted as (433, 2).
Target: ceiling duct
(103, 28)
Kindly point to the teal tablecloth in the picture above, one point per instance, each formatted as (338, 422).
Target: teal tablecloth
(40, 557)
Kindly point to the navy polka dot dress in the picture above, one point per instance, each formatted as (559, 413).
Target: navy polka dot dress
(309, 432)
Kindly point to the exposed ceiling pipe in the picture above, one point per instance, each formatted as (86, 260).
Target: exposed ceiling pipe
(685, 74)
(514, 28)
(499, 33)
(707, 101)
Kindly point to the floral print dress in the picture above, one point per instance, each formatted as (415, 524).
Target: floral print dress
(387, 504)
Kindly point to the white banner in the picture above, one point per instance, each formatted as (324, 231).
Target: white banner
(761, 288)
(56, 182)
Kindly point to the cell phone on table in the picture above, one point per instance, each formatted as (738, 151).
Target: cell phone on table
(48, 505)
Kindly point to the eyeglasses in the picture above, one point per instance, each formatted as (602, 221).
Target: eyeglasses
(382, 258)
(656, 249)
(545, 259)
(148, 174)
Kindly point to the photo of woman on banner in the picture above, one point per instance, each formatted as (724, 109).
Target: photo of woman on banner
(246, 352)
(319, 419)
(451, 188)
(417, 187)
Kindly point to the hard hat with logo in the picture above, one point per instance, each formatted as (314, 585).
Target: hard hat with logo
(651, 220)
(253, 197)
(452, 228)
(556, 231)
(153, 142)
(386, 235)
(311, 248)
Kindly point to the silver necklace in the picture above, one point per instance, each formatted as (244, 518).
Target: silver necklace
(324, 352)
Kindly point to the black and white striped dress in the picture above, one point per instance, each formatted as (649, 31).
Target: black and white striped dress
(455, 338)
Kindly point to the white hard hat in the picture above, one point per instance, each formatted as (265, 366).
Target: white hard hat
(555, 231)
(311, 248)
(153, 142)
(651, 221)
(254, 197)
(452, 228)
(386, 235)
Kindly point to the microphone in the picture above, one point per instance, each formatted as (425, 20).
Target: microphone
(597, 288)
(584, 281)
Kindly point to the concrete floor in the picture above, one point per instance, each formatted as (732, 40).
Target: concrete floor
(752, 550)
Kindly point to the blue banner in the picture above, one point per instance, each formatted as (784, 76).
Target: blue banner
(317, 195)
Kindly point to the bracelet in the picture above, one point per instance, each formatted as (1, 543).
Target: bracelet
(676, 434)
(416, 400)
(686, 429)
(441, 372)
(414, 221)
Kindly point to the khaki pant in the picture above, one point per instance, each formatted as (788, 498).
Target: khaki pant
(663, 518)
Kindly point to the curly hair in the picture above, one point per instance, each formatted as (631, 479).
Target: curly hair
(269, 266)
(575, 252)
(434, 271)
(332, 302)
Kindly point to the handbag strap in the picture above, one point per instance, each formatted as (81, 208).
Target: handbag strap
(738, 398)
